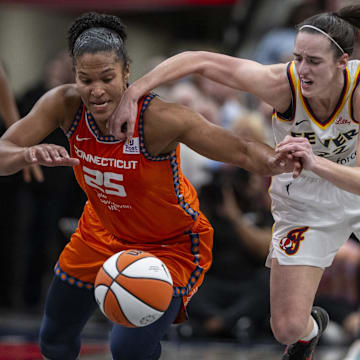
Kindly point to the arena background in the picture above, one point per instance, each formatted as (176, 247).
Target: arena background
(33, 31)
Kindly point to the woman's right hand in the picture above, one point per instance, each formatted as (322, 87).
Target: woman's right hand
(49, 155)
(122, 121)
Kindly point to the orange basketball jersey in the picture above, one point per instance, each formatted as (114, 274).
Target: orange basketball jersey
(135, 201)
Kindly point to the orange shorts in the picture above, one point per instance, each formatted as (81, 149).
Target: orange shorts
(187, 256)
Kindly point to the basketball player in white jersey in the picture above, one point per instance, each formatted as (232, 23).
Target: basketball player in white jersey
(315, 97)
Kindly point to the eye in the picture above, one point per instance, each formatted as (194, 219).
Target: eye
(85, 81)
(314, 62)
(108, 79)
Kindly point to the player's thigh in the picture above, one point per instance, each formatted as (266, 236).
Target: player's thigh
(292, 289)
(67, 309)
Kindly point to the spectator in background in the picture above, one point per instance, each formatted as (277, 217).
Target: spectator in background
(339, 289)
(44, 204)
(9, 199)
(231, 103)
(277, 45)
(9, 204)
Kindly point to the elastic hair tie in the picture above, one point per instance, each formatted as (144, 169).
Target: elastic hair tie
(324, 33)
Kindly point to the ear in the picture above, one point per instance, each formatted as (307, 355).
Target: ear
(342, 61)
(126, 73)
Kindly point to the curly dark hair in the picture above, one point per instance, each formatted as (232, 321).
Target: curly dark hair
(93, 32)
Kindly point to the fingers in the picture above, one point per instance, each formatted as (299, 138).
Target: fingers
(125, 113)
(115, 125)
(37, 173)
(290, 140)
(291, 148)
(27, 174)
(130, 130)
(30, 155)
(298, 167)
(33, 171)
(50, 155)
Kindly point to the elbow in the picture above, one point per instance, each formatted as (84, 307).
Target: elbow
(200, 61)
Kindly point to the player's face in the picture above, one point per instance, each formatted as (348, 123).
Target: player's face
(101, 80)
(315, 64)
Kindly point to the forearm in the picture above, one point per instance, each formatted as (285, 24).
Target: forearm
(12, 158)
(214, 66)
(260, 159)
(171, 69)
(344, 177)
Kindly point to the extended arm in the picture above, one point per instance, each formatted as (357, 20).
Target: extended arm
(19, 146)
(266, 82)
(168, 124)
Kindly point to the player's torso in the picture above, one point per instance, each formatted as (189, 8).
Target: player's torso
(136, 196)
(335, 138)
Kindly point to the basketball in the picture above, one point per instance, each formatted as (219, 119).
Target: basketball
(133, 288)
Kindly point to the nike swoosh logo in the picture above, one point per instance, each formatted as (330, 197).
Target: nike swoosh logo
(300, 122)
(81, 139)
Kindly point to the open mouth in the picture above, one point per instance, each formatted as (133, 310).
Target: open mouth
(99, 105)
(306, 83)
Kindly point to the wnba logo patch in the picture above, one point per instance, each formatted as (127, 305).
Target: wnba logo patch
(291, 243)
(131, 146)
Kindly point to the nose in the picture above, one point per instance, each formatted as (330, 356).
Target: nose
(303, 68)
(97, 91)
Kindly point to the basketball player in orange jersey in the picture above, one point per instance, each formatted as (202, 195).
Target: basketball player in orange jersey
(137, 195)
(317, 97)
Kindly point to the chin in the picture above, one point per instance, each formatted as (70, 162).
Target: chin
(307, 92)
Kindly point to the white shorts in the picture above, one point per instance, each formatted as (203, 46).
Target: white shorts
(313, 219)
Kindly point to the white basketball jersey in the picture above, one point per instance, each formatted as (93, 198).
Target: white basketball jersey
(336, 138)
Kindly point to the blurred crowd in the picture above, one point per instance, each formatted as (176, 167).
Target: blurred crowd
(233, 303)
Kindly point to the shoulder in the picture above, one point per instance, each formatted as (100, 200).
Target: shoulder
(353, 66)
(164, 122)
(276, 90)
(66, 94)
(65, 100)
(61, 96)
(279, 71)
(163, 111)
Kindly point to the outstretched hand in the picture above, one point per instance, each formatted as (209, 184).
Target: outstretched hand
(283, 163)
(297, 148)
(122, 121)
(49, 155)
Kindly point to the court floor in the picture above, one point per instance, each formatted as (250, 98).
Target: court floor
(18, 341)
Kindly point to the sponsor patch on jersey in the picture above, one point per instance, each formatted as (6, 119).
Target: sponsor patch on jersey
(342, 121)
(132, 146)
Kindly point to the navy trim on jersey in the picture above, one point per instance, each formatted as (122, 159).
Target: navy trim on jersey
(75, 122)
(290, 112)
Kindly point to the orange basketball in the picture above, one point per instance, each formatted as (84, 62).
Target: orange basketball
(133, 288)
